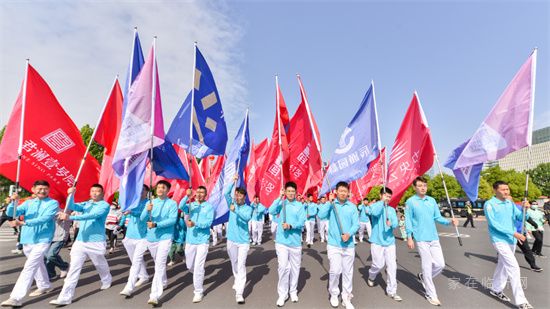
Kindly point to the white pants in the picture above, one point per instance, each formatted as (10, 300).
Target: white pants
(340, 263)
(159, 251)
(310, 228)
(384, 256)
(290, 260)
(216, 233)
(257, 231)
(273, 229)
(34, 269)
(95, 251)
(508, 267)
(130, 246)
(323, 230)
(433, 263)
(237, 254)
(195, 257)
(364, 226)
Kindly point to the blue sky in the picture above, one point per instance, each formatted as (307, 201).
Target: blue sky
(459, 56)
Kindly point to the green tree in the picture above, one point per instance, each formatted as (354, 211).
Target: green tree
(96, 150)
(540, 176)
(485, 189)
(437, 190)
(515, 180)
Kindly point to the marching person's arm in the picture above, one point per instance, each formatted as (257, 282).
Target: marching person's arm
(95, 213)
(244, 212)
(170, 219)
(437, 215)
(298, 222)
(409, 225)
(354, 226)
(205, 221)
(71, 205)
(21, 209)
(227, 194)
(324, 211)
(145, 212)
(492, 221)
(392, 217)
(47, 215)
(276, 206)
(375, 210)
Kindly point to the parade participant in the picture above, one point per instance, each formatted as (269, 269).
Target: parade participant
(469, 215)
(136, 230)
(53, 258)
(382, 248)
(257, 225)
(292, 217)
(160, 216)
(364, 221)
(524, 245)
(89, 243)
(237, 237)
(311, 211)
(343, 224)
(36, 231)
(201, 215)
(501, 215)
(421, 214)
(323, 223)
(111, 225)
(179, 238)
(537, 232)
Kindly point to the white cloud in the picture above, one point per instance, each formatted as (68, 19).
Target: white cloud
(78, 47)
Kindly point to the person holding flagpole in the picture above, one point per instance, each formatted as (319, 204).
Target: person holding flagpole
(311, 209)
(37, 231)
(364, 221)
(343, 224)
(384, 221)
(160, 216)
(237, 236)
(501, 214)
(288, 244)
(201, 216)
(257, 221)
(90, 242)
(323, 223)
(421, 214)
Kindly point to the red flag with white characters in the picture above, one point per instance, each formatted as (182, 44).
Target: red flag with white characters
(52, 147)
(374, 176)
(412, 154)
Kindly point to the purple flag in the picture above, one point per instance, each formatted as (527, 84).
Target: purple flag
(508, 126)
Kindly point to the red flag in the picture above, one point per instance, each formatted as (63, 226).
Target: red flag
(250, 174)
(106, 135)
(52, 147)
(260, 151)
(216, 171)
(374, 176)
(412, 153)
(194, 171)
(205, 168)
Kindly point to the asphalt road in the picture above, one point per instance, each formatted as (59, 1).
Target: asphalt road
(462, 284)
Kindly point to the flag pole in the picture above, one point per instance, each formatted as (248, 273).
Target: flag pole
(447, 195)
(529, 136)
(278, 115)
(192, 114)
(153, 106)
(20, 146)
(380, 150)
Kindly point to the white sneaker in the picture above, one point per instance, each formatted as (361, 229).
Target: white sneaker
(433, 301)
(347, 304)
(63, 273)
(370, 282)
(239, 299)
(197, 298)
(395, 297)
(59, 302)
(334, 301)
(281, 301)
(126, 292)
(141, 282)
(11, 303)
(17, 251)
(153, 301)
(171, 263)
(294, 298)
(105, 286)
(39, 292)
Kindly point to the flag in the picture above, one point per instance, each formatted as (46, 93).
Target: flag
(192, 168)
(358, 145)
(215, 174)
(235, 164)
(166, 162)
(134, 67)
(142, 118)
(412, 153)
(52, 147)
(304, 147)
(208, 122)
(374, 176)
(204, 167)
(106, 135)
(274, 167)
(260, 150)
(507, 128)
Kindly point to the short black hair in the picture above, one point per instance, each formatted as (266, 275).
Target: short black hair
(310, 195)
(96, 185)
(204, 188)
(41, 183)
(342, 184)
(324, 196)
(385, 190)
(421, 179)
(241, 190)
(164, 182)
(291, 184)
(146, 188)
(498, 183)
(366, 199)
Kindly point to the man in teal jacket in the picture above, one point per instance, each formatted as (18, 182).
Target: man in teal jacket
(257, 221)
(343, 224)
(36, 235)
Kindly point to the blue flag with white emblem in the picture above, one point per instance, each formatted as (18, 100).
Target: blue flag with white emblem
(467, 176)
(235, 163)
(358, 146)
(207, 119)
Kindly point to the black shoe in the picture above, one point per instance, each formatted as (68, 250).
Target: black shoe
(500, 296)
(536, 269)
(541, 255)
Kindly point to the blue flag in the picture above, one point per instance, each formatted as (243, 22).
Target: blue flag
(131, 182)
(209, 128)
(235, 163)
(467, 176)
(358, 146)
(166, 162)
